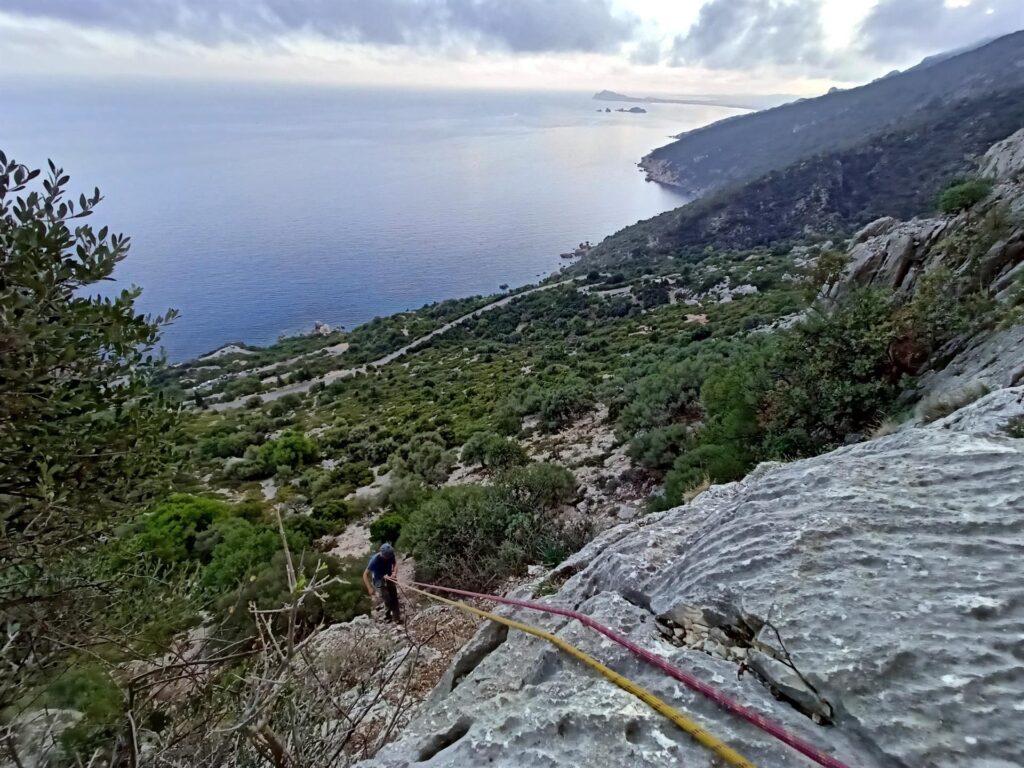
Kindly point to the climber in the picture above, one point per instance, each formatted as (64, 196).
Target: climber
(382, 565)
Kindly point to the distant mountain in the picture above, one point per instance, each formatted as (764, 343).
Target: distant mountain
(899, 172)
(743, 101)
(747, 146)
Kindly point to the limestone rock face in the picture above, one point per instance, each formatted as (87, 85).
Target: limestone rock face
(890, 254)
(1005, 159)
(891, 570)
(894, 255)
(995, 360)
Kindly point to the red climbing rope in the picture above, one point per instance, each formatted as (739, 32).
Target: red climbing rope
(766, 725)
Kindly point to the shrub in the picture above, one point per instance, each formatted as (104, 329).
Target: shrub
(355, 474)
(474, 536)
(658, 448)
(306, 529)
(331, 507)
(292, 449)
(963, 195)
(240, 387)
(225, 446)
(559, 407)
(239, 548)
(174, 527)
(939, 406)
(424, 457)
(507, 420)
(709, 462)
(493, 451)
(247, 469)
(1015, 427)
(86, 687)
(815, 400)
(652, 294)
(387, 528)
(536, 486)
(403, 495)
(665, 397)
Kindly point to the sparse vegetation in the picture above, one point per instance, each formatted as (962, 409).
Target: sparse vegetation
(1015, 428)
(941, 405)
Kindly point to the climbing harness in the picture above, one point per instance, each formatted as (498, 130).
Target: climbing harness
(694, 683)
(720, 748)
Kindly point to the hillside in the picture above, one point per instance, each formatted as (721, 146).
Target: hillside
(898, 172)
(813, 402)
(749, 146)
(827, 594)
(850, 564)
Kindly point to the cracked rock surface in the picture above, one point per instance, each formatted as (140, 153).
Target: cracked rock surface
(892, 570)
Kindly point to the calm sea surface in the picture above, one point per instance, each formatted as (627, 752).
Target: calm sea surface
(255, 210)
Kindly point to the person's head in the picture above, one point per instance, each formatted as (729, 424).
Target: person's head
(386, 550)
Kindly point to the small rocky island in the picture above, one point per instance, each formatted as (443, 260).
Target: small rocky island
(633, 110)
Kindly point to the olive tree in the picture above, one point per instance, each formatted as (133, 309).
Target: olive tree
(81, 428)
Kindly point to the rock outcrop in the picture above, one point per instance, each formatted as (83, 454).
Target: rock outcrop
(890, 570)
(891, 254)
(1005, 160)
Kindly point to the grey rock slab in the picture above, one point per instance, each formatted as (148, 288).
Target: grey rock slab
(891, 569)
(996, 360)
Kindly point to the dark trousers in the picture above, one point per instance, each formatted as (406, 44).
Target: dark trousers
(389, 592)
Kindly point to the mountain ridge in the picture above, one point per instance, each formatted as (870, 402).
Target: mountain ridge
(748, 146)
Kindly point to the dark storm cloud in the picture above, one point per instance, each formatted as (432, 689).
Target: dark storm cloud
(896, 29)
(740, 34)
(524, 26)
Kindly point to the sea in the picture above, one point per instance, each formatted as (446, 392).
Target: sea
(257, 210)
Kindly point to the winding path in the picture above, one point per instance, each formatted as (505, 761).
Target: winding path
(344, 373)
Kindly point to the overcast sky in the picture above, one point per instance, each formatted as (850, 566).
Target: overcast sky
(649, 46)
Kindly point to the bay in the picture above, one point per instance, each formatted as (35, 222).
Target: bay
(257, 210)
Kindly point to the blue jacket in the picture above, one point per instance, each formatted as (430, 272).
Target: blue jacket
(380, 566)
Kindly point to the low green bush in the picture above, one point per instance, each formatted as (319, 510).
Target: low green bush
(292, 449)
(475, 536)
(963, 195)
(658, 448)
(238, 547)
(386, 529)
(174, 527)
(493, 451)
(425, 458)
(558, 407)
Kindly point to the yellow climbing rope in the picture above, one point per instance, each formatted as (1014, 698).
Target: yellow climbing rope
(717, 746)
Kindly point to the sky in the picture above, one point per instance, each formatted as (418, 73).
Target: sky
(799, 47)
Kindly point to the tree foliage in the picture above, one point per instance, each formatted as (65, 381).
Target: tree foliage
(82, 432)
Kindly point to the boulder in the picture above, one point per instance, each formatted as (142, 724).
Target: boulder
(882, 226)
(890, 570)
